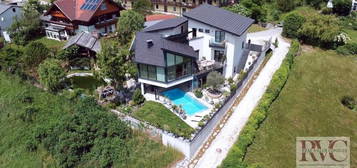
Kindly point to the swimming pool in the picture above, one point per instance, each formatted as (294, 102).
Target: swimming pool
(189, 104)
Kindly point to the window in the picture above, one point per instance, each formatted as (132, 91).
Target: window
(14, 10)
(170, 59)
(219, 36)
(143, 71)
(207, 31)
(194, 32)
(174, 8)
(160, 74)
(354, 6)
(152, 72)
(171, 73)
(103, 7)
(200, 30)
(218, 55)
(183, 10)
(179, 60)
(157, 6)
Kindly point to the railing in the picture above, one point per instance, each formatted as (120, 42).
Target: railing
(214, 43)
(173, 3)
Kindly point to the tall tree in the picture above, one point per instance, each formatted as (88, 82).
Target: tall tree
(10, 58)
(342, 7)
(25, 28)
(143, 7)
(34, 54)
(129, 23)
(285, 5)
(114, 63)
(239, 9)
(292, 23)
(51, 74)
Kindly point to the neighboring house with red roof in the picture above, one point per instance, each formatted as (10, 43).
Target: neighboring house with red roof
(68, 17)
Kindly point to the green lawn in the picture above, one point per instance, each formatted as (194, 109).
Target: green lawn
(255, 28)
(51, 44)
(15, 132)
(309, 105)
(159, 116)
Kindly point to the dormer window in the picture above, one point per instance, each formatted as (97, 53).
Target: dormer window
(103, 6)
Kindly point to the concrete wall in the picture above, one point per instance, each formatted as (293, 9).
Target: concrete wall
(7, 17)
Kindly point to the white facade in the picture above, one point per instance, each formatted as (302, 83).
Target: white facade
(232, 46)
(7, 17)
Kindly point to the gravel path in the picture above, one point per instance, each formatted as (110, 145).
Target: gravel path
(229, 134)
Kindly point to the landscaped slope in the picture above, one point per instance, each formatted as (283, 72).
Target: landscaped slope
(309, 105)
(23, 108)
(158, 115)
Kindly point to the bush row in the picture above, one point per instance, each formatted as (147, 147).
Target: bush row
(237, 153)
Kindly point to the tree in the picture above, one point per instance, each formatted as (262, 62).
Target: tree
(25, 28)
(129, 23)
(292, 23)
(320, 30)
(258, 12)
(10, 58)
(138, 98)
(214, 79)
(68, 53)
(239, 9)
(51, 74)
(285, 5)
(143, 7)
(114, 63)
(315, 3)
(342, 7)
(35, 53)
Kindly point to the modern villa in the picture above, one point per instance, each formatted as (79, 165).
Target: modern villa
(69, 17)
(180, 52)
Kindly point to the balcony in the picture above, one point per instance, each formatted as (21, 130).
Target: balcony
(214, 43)
(106, 22)
(174, 3)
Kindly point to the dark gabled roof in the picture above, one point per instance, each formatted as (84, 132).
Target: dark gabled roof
(154, 55)
(86, 40)
(220, 18)
(5, 7)
(166, 24)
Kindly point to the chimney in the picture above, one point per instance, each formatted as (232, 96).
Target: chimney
(149, 43)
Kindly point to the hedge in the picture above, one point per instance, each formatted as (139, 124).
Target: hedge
(235, 157)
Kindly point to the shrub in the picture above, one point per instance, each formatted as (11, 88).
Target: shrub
(349, 102)
(35, 53)
(214, 79)
(347, 49)
(198, 93)
(68, 53)
(138, 98)
(292, 23)
(326, 11)
(51, 74)
(342, 7)
(235, 157)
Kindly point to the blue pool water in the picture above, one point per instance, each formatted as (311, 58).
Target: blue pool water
(189, 104)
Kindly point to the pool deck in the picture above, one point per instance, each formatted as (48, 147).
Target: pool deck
(191, 120)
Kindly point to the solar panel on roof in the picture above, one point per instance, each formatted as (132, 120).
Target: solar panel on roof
(82, 6)
(93, 7)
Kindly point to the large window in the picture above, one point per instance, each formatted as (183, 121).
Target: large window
(177, 66)
(152, 72)
(219, 36)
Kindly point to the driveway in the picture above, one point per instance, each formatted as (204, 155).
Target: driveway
(230, 132)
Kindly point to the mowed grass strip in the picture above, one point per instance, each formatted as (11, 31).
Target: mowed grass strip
(309, 105)
(144, 152)
(158, 115)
